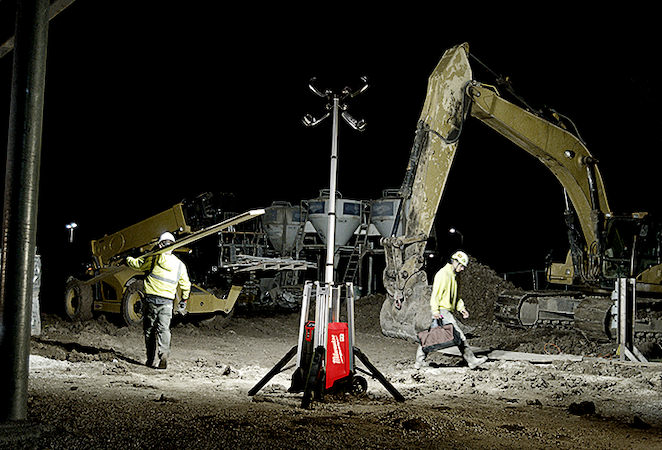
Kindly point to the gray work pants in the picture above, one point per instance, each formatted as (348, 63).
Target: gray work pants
(156, 324)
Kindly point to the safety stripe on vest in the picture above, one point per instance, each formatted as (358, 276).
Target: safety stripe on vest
(168, 280)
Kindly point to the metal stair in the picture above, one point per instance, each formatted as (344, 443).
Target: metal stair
(359, 246)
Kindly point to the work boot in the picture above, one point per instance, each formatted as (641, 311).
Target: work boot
(470, 358)
(151, 357)
(420, 358)
(163, 364)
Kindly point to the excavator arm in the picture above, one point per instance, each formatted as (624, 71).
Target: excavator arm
(568, 159)
(559, 150)
(451, 96)
(432, 156)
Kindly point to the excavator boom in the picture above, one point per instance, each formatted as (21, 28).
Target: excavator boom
(559, 150)
(440, 124)
(604, 247)
(432, 156)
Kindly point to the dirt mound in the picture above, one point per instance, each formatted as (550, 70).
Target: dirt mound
(479, 286)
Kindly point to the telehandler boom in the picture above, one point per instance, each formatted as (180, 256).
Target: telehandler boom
(110, 286)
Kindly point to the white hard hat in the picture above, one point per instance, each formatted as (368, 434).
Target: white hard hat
(461, 257)
(166, 237)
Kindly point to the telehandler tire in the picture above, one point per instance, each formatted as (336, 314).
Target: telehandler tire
(77, 300)
(133, 302)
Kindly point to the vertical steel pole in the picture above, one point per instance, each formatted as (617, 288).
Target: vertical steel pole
(320, 314)
(350, 323)
(19, 223)
(331, 235)
(621, 289)
(305, 306)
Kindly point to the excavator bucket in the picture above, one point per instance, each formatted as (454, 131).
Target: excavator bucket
(405, 310)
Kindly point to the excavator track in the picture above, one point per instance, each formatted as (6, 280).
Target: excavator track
(593, 315)
(532, 308)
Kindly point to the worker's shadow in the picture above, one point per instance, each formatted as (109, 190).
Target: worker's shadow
(451, 363)
(101, 353)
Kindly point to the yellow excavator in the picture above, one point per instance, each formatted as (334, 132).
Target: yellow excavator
(604, 246)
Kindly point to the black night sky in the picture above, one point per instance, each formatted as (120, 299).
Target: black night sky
(148, 103)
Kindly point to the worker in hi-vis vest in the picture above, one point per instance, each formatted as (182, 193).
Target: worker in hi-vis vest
(164, 273)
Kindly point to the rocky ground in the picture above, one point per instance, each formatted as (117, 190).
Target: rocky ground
(89, 389)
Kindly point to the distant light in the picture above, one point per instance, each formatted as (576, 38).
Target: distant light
(71, 227)
(454, 231)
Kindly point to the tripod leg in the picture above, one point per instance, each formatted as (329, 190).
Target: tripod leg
(377, 374)
(275, 370)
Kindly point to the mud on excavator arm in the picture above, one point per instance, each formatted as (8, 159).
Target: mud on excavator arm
(440, 124)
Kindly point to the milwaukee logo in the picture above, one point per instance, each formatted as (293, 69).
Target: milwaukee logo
(337, 356)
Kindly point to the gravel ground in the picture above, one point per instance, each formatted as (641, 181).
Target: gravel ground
(89, 389)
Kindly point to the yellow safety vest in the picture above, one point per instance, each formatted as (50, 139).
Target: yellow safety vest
(166, 272)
